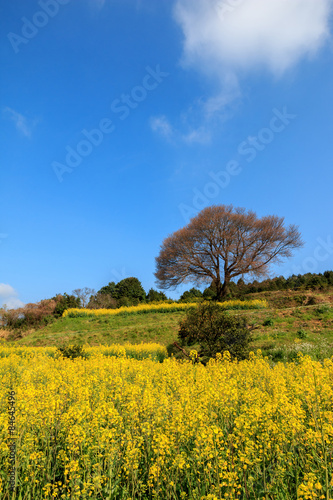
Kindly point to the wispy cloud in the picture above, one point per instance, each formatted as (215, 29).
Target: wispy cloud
(195, 124)
(161, 125)
(200, 136)
(9, 297)
(23, 125)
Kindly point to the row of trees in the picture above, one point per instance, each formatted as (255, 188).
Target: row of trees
(127, 292)
(130, 291)
(308, 281)
(36, 315)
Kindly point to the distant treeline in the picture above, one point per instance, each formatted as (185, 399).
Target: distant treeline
(308, 281)
(129, 292)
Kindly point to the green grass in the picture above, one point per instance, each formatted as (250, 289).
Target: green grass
(151, 327)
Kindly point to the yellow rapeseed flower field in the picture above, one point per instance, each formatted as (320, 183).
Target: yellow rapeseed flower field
(114, 427)
(163, 307)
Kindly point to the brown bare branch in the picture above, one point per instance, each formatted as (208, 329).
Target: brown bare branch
(223, 242)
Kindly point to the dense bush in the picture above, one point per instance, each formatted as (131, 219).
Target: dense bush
(72, 351)
(214, 330)
(301, 333)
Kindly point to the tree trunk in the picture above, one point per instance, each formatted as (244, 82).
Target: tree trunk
(222, 290)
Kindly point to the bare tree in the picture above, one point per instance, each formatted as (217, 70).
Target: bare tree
(84, 294)
(223, 242)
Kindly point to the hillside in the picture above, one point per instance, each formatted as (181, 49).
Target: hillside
(293, 322)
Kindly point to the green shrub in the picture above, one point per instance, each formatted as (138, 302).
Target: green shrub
(277, 354)
(322, 309)
(300, 299)
(72, 351)
(302, 334)
(268, 322)
(214, 330)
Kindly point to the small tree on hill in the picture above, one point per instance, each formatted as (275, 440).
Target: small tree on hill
(64, 302)
(108, 289)
(102, 301)
(84, 295)
(191, 295)
(127, 292)
(130, 288)
(155, 296)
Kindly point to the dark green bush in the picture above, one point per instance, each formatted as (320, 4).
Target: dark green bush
(215, 330)
(302, 334)
(300, 299)
(268, 322)
(72, 351)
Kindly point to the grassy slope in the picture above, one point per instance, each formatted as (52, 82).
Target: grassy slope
(286, 313)
(151, 327)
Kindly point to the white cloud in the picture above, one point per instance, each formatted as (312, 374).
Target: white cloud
(161, 125)
(200, 135)
(226, 38)
(22, 124)
(8, 296)
(7, 291)
(13, 303)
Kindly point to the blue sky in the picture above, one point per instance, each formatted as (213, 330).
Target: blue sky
(121, 119)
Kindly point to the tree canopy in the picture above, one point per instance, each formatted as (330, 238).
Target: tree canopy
(223, 242)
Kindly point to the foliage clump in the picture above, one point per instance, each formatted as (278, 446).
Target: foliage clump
(215, 331)
(64, 302)
(127, 292)
(39, 314)
(155, 296)
(301, 333)
(72, 351)
(192, 295)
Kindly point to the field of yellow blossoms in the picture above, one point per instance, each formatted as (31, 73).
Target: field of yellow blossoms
(163, 307)
(114, 427)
